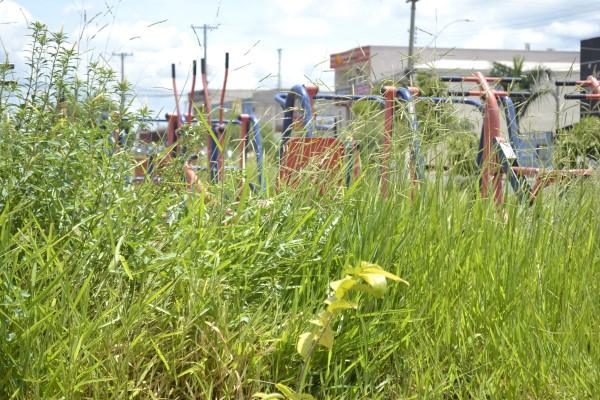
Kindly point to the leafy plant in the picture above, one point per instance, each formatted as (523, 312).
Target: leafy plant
(442, 130)
(535, 80)
(368, 278)
(579, 147)
(103, 295)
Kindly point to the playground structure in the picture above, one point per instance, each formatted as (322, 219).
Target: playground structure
(496, 154)
(216, 130)
(497, 158)
(328, 160)
(330, 154)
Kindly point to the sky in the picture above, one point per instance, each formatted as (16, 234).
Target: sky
(264, 36)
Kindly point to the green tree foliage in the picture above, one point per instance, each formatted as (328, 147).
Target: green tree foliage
(535, 81)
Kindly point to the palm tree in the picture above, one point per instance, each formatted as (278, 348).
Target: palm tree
(535, 81)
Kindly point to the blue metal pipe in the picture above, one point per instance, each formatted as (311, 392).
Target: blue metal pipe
(404, 94)
(297, 92)
(470, 102)
(256, 137)
(346, 97)
(259, 152)
(511, 122)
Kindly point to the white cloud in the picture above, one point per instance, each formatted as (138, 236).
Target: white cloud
(304, 27)
(78, 8)
(294, 7)
(574, 29)
(13, 31)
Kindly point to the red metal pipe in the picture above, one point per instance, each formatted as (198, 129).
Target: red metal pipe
(478, 79)
(479, 93)
(552, 172)
(206, 109)
(491, 172)
(312, 91)
(171, 130)
(590, 82)
(189, 114)
(415, 91)
(388, 128)
(593, 83)
(221, 109)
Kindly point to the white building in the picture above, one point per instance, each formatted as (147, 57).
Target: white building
(356, 71)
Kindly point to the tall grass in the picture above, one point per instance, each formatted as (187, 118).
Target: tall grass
(116, 291)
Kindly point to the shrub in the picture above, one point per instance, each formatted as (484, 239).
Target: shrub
(579, 147)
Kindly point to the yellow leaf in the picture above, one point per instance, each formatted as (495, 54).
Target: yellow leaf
(126, 267)
(377, 282)
(375, 269)
(268, 396)
(325, 317)
(342, 286)
(341, 305)
(364, 288)
(305, 343)
(101, 95)
(289, 393)
(326, 338)
(353, 271)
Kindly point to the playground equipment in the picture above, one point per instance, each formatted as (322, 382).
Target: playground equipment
(591, 83)
(250, 137)
(508, 108)
(216, 129)
(332, 157)
(391, 94)
(497, 155)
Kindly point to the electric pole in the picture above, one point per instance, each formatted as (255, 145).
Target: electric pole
(205, 27)
(122, 55)
(279, 70)
(411, 43)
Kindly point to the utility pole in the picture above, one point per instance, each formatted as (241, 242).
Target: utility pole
(205, 27)
(279, 69)
(411, 43)
(122, 55)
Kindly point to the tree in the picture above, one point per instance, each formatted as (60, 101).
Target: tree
(535, 81)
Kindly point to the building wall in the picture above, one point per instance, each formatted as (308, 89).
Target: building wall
(590, 57)
(590, 65)
(357, 70)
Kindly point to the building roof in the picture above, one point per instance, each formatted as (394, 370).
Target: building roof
(396, 57)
